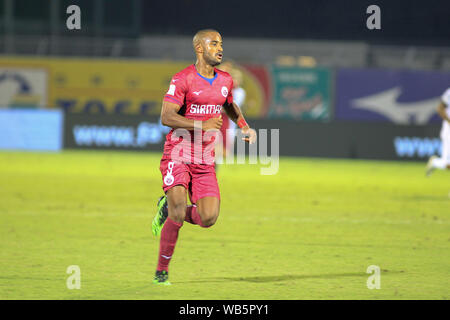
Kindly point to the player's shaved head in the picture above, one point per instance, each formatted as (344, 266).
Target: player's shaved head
(202, 35)
(208, 47)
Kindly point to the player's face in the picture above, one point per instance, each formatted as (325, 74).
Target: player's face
(213, 51)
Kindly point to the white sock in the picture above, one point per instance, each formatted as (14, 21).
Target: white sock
(439, 163)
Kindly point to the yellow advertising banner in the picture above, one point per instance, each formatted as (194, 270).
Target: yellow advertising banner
(98, 86)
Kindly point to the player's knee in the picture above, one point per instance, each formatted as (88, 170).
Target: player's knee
(209, 222)
(209, 217)
(177, 211)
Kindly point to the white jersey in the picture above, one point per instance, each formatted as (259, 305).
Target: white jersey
(445, 131)
(239, 96)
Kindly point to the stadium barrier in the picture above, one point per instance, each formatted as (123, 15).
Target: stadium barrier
(36, 130)
(119, 132)
(381, 141)
(378, 141)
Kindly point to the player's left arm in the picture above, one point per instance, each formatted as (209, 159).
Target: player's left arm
(234, 113)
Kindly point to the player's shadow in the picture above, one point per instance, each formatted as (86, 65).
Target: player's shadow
(287, 277)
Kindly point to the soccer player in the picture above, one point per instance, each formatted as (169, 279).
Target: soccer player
(444, 161)
(192, 108)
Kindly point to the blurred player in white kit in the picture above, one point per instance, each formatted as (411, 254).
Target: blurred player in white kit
(444, 161)
(228, 127)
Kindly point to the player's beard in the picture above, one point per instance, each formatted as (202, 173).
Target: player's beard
(211, 60)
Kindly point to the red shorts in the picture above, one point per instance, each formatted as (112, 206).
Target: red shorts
(199, 179)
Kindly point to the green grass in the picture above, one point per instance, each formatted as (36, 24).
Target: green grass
(309, 232)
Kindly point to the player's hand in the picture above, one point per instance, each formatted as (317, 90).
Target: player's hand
(250, 135)
(213, 123)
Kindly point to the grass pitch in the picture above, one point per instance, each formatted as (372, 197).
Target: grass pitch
(309, 232)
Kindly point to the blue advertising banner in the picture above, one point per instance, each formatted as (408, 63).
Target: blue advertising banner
(38, 130)
(396, 96)
(120, 132)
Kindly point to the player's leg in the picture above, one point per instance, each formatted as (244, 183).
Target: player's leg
(176, 180)
(176, 200)
(173, 174)
(204, 195)
(446, 150)
(208, 209)
(442, 162)
(204, 213)
(431, 165)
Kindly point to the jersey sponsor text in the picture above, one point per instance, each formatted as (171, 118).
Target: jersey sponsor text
(205, 109)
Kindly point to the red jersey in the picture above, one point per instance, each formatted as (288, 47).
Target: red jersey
(200, 98)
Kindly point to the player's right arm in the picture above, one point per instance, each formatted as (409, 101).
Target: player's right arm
(171, 118)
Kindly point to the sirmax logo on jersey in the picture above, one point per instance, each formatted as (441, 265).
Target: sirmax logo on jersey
(205, 109)
(169, 179)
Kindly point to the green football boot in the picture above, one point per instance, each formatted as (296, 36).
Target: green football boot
(162, 278)
(161, 216)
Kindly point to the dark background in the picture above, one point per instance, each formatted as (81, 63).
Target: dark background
(403, 22)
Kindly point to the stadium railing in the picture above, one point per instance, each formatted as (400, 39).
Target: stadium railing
(265, 51)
